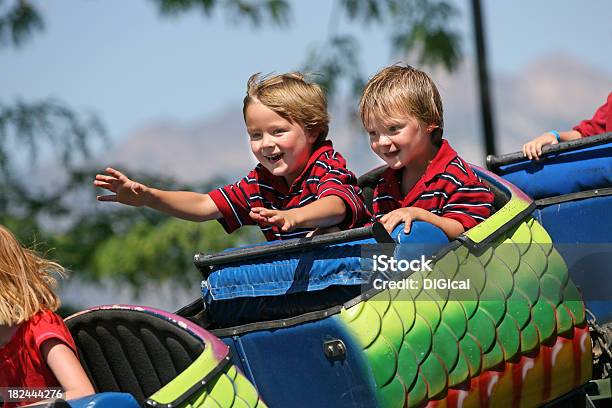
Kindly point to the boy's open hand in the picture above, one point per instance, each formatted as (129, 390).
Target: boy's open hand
(395, 217)
(285, 219)
(126, 191)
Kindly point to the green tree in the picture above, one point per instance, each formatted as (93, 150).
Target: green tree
(47, 124)
(421, 27)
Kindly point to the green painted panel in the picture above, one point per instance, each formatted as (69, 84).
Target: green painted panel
(453, 315)
(551, 289)
(209, 402)
(381, 302)
(557, 267)
(446, 346)
(436, 375)
(366, 326)
(244, 389)
(392, 395)
(448, 264)
(573, 301)
(418, 393)
(460, 373)
(508, 253)
(392, 328)
(486, 256)
(540, 236)
(472, 351)
(407, 366)
(405, 308)
(528, 282)
(348, 315)
(482, 327)
(522, 237)
(383, 360)
(536, 258)
(543, 316)
(565, 322)
(519, 307)
(493, 301)
(473, 269)
(499, 272)
(530, 338)
(520, 296)
(420, 338)
(222, 391)
(492, 358)
(497, 220)
(428, 309)
(509, 337)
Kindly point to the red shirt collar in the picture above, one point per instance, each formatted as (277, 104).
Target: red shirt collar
(438, 165)
(279, 183)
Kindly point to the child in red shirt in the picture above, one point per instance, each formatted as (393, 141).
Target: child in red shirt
(601, 122)
(36, 348)
(300, 184)
(426, 180)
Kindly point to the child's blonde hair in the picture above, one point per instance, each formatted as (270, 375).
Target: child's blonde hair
(403, 91)
(26, 281)
(291, 97)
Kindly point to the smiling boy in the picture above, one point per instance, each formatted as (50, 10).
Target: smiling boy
(426, 180)
(300, 184)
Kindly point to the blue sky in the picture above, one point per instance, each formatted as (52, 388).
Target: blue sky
(124, 62)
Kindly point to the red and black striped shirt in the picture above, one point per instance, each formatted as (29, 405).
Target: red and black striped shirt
(448, 188)
(325, 175)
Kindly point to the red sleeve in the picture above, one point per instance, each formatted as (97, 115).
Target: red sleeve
(48, 325)
(470, 204)
(336, 180)
(597, 124)
(232, 201)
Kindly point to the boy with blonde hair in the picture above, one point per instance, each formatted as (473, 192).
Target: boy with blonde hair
(300, 184)
(426, 180)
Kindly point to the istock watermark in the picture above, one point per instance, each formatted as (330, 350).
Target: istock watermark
(426, 283)
(385, 263)
(391, 266)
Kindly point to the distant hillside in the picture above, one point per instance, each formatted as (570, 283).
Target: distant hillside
(552, 93)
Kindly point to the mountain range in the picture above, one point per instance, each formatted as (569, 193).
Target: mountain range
(554, 92)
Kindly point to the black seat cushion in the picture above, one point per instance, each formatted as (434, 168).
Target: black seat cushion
(131, 351)
(367, 182)
(239, 311)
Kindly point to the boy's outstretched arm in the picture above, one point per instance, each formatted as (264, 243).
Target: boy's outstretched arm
(452, 228)
(182, 204)
(325, 212)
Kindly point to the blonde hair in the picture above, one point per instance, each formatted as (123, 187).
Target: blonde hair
(403, 91)
(291, 97)
(26, 281)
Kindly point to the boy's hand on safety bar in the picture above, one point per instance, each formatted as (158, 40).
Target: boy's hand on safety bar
(396, 217)
(287, 220)
(533, 149)
(126, 191)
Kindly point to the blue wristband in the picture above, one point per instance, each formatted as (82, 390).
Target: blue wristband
(555, 134)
